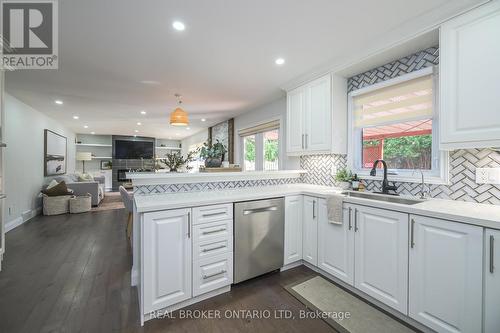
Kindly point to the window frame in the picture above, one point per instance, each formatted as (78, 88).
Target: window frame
(439, 174)
(259, 145)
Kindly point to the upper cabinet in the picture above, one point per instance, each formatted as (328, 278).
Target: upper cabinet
(470, 79)
(316, 117)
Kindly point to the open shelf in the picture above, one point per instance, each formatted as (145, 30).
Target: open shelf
(92, 145)
(169, 148)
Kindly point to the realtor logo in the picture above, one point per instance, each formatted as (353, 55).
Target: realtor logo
(29, 34)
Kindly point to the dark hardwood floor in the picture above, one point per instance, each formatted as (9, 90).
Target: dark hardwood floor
(71, 273)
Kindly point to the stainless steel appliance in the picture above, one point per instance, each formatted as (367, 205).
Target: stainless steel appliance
(258, 237)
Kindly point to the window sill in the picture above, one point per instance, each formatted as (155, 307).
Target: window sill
(398, 178)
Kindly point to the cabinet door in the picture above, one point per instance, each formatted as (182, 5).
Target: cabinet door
(492, 281)
(167, 258)
(446, 261)
(310, 230)
(318, 116)
(293, 229)
(470, 79)
(381, 250)
(295, 120)
(336, 244)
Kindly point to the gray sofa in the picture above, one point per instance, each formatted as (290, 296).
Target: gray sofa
(95, 188)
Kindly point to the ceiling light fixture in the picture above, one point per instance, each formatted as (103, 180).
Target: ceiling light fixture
(179, 117)
(59, 102)
(76, 117)
(85, 126)
(279, 61)
(179, 26)
(187, 128)
(137, 131)
(139, 124)
(203, 119)
(92, 133)
(143, 112)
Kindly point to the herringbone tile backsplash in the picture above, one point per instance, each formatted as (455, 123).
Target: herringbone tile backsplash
(463, 163)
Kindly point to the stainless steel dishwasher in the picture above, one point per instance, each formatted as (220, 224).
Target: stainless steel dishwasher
(258, 237)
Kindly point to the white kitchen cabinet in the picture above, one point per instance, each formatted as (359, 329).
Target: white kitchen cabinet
(381, 255)
(293, 228)
(309, 118)
(445, 282)
(336, 244)
(310, 230)
(167, 258)
(295, 119)
(212, 273)
(492, 281)
(470, 79)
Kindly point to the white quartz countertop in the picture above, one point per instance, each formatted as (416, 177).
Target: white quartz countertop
(466, 212)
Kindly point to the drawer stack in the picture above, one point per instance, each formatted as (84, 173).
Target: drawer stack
(212, 247)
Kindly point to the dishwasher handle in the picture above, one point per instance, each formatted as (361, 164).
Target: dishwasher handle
(260, 210)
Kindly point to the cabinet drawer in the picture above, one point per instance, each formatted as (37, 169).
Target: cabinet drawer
(212, 248)
(213, 231)
(212, 273)
(212, 213)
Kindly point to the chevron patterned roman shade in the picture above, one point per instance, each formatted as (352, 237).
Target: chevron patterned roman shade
(409, 100)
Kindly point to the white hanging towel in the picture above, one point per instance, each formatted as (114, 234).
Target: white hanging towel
(334, 205)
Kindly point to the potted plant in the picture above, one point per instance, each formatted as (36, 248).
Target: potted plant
(213, 154)
(344, 178)
(175, 160)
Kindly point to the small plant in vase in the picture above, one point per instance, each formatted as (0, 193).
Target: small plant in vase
(213, 154)
(174, 161)
(344, 178)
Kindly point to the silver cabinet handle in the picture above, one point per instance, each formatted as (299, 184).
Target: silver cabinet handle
(213, 214)
(306, 141)
(2, 196)
(214, 248)
(302, 141)
(213, 231)
(350, 223)
(412, 233)
(492, 250)
(314, 209)
(189, 224)
(212, 275)
(260, 210)
(355, 219)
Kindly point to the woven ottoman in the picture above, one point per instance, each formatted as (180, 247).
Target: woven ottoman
(56, 205)
(80, 204)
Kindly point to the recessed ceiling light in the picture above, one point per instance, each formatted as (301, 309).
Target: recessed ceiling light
(92, 133)
(85, 126)
(76, 117)
(187, 128)
(57, 101)
(151, 82)
(139, 124)
(279, 61)
(143, 112)
(137, 131)
(203, 119)
(178, 25)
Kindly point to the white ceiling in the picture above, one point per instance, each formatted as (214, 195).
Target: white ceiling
(223, 63)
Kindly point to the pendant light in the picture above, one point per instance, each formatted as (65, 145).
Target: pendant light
(179, 117)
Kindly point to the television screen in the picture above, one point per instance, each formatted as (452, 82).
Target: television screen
(134, 149)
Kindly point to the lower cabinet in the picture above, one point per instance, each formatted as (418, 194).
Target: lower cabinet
(212, 273)
(310, 230)
(492, 281)
(381, 255)
(167, 258)
(293, 229)
(336, 244)
(446, 280)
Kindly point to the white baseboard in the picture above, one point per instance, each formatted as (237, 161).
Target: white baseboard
(26, 216)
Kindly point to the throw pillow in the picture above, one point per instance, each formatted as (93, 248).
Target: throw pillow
(52, 183)
(58, 190)
(85, 177)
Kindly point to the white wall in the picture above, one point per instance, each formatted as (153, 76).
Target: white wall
(23, 158)
(273, 110)
(193, 139)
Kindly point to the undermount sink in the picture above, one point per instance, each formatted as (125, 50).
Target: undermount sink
(383, 197)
